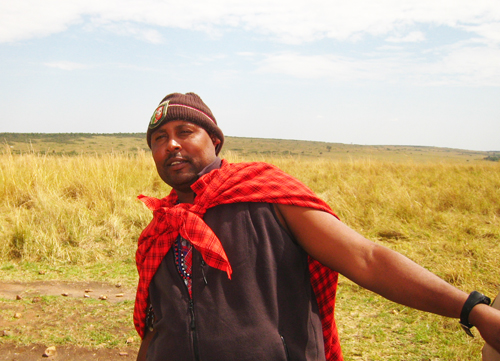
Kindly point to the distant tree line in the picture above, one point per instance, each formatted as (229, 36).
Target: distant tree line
(493, 158)
(65, 138)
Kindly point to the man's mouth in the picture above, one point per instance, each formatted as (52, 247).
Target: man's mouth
(176, 161)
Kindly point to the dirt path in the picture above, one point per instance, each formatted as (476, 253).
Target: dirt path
(12, 289)
(10, 352)
(10, 328)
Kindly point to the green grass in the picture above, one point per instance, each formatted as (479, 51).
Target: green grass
(372, 328)
(58, 321)
(108, 271)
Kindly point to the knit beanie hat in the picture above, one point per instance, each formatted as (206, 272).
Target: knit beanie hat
(188, 107)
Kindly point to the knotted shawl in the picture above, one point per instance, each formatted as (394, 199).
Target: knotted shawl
(232, 183)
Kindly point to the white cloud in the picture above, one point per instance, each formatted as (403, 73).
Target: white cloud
(66, 65)
(464, 65)
(293, 22)
(29, 19)
(399, 24)
(321, 66)
(413, 37)
(127, 29)
(246, 54)
(489, 31)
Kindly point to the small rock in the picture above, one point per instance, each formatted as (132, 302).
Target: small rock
(65, 294)
(86, 296)
(18, 315)
(130, 340)
(103, 297)
(41, 272)
(123, 353)
(119, 295)
(50, 351)
(36, 299)
(88, 290)
(19, 297)
(6, 333)
(118, 285)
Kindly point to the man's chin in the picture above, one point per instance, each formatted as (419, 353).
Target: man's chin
(181, 183)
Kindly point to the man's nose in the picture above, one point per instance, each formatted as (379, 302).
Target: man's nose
(173, 145)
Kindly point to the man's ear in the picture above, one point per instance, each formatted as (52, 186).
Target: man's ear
(216, 141)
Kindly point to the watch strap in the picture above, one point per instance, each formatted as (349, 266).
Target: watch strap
(474, 299)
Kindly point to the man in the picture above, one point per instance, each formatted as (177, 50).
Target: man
(240, 261)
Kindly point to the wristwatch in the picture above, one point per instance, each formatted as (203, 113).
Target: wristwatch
(474, 299)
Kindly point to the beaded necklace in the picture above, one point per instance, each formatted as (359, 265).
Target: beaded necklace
(184, 260)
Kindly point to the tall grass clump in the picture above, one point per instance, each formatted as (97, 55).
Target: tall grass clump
(73, 209)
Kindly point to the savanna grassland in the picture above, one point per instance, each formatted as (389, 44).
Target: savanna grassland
(70, 214)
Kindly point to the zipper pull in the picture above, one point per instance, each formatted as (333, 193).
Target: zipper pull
(203, 271)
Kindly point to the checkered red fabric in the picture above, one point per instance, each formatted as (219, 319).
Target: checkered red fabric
(232, 183)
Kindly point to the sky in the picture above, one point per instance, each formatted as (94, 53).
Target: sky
(385, 72)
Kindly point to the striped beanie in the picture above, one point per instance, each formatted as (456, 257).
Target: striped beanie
(188, 107)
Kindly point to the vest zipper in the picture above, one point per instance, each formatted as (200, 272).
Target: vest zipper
(192, 325)
(193, 330)
(287, 355)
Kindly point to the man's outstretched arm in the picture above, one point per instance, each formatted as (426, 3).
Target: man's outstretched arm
(382, 270)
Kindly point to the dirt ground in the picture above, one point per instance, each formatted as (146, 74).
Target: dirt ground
(10, 352)
(11, 290)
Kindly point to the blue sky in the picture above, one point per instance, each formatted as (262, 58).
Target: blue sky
(386, 72)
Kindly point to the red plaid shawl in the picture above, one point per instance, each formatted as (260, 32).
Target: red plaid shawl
(232, 183)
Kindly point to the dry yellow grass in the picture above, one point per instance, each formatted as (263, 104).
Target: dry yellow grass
(72, 209)
(83, 208)
(444, 215)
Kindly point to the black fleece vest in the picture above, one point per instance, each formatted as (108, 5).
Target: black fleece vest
(266, 312)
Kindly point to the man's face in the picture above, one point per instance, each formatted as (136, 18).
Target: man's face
(181, 150)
